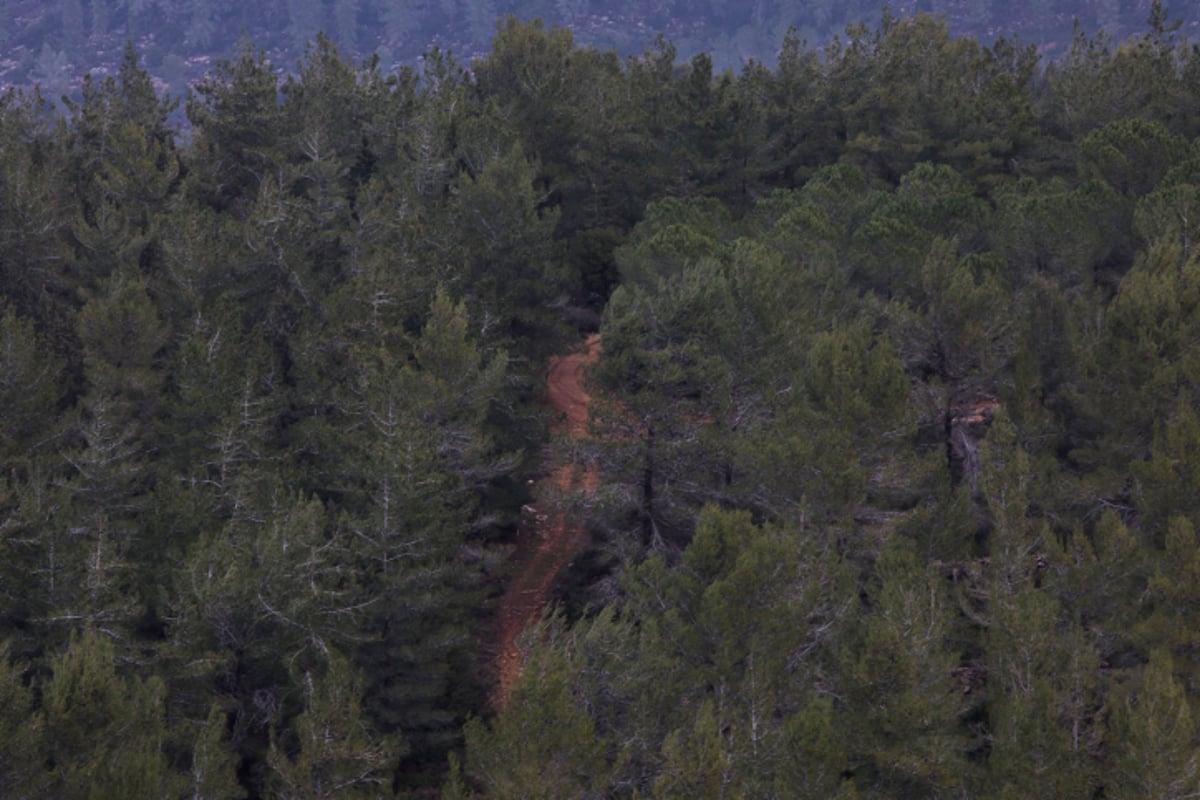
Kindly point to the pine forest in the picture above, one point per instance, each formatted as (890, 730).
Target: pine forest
(878, 468)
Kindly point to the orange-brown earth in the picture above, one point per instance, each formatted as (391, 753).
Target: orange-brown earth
(546, 540)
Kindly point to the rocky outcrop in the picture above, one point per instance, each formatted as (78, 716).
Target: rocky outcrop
(967, 422)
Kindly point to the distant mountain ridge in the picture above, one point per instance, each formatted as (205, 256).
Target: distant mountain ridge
(55, 43)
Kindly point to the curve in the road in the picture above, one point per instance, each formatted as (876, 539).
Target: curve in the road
(546, 540)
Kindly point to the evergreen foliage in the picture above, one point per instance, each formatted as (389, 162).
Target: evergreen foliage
(895, 426)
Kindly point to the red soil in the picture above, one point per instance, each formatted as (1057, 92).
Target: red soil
(546, 541)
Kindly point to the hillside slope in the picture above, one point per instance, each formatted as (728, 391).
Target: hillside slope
(55, 43)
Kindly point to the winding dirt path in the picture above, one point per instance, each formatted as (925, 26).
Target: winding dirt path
(546, 540)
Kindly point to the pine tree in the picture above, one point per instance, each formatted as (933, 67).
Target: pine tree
(1130, 155)
(31, 389)
(1171, 596)
(212, 774)
(111, 453)
(510, 273)
(19, 733)
(326, 117)
(38, 207)
(905, 731)
(699, 762)
(1152, 741)
(1044, 680)
(396, 435)
(103, 733)
(329, 751)
(235, 115)
(125, 168)
(543, 745)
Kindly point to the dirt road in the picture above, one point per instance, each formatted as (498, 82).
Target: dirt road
(546, 540)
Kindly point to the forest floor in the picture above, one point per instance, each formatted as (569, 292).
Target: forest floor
(547, 540)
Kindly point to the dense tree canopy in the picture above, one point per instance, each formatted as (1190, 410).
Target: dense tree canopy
(896, 421)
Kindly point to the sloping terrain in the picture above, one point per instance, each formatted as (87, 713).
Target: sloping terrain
(54, 44)
(547, 539)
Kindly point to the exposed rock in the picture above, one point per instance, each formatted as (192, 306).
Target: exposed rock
(967, 422)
